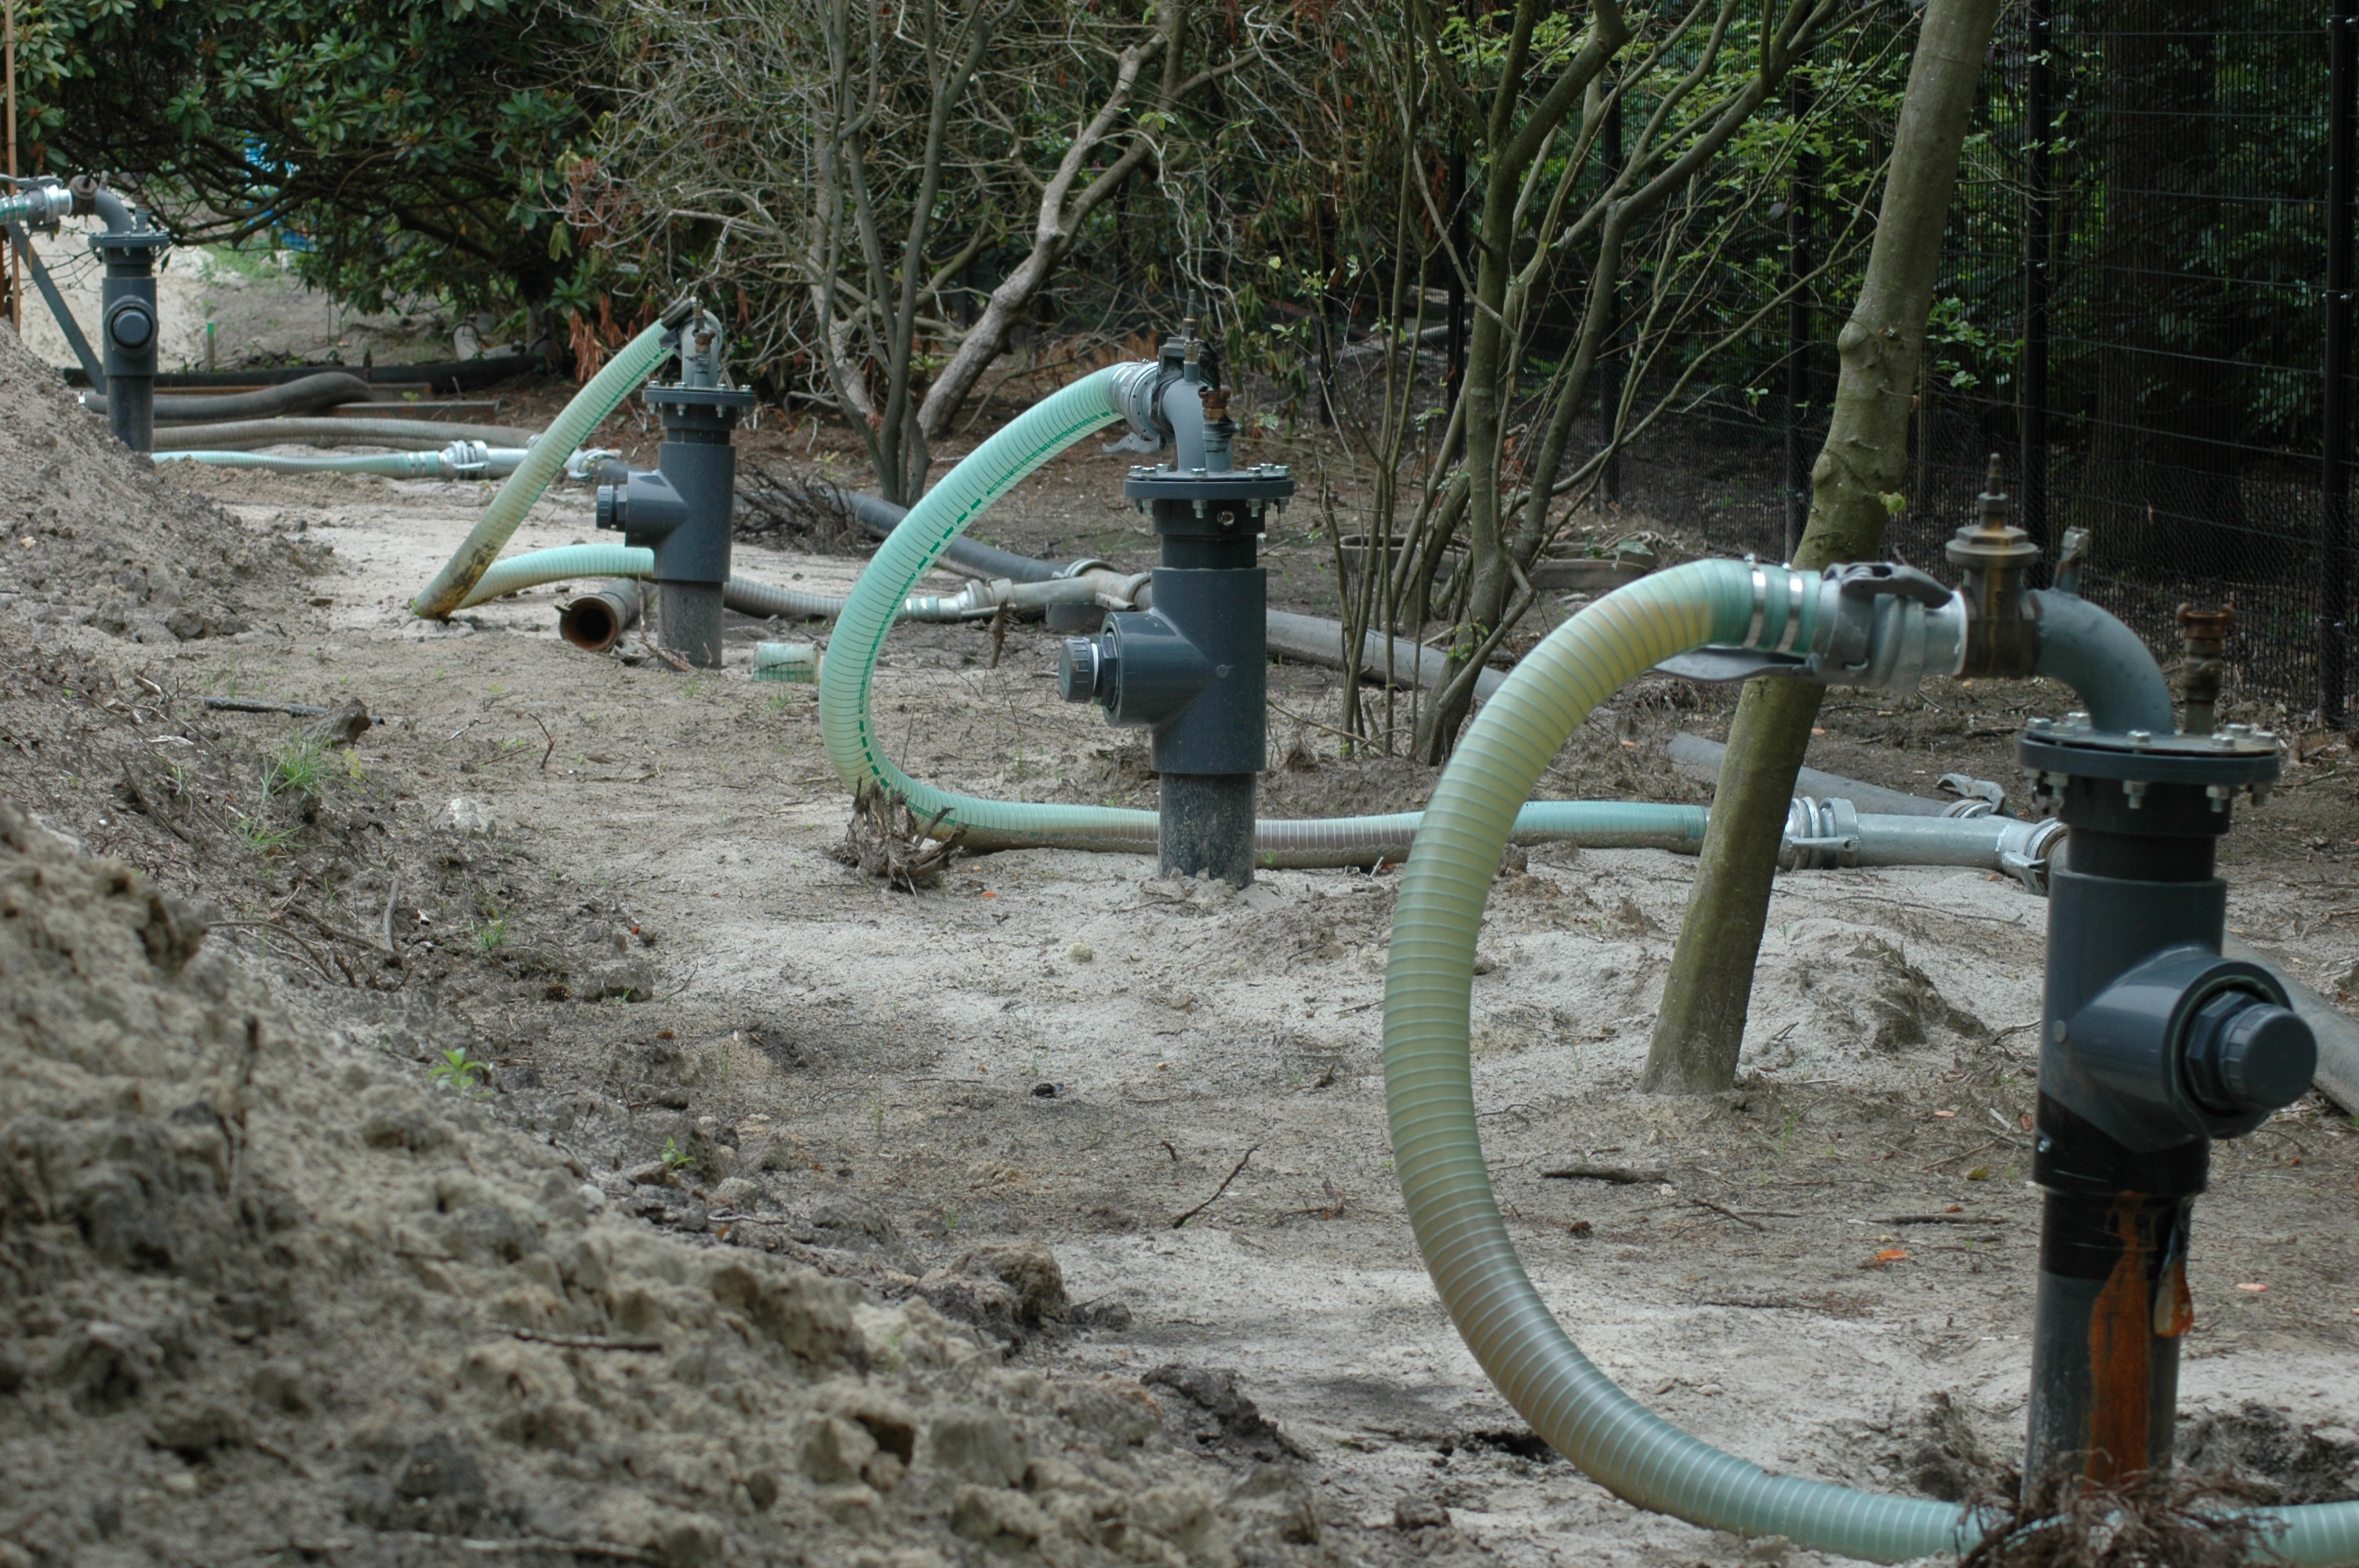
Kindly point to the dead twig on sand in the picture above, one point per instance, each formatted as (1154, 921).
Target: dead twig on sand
(2066, 1520)
(255, 705)
(586, 1341)
(391, 891)
(1619, 1176)
(309, 951)
(154, 812)
(658, 650)
(1209, 1202)
(1730, 1213)
(1943, 1219)
(884, 839)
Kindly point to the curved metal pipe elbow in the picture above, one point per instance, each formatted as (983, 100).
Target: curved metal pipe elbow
(2106, 663)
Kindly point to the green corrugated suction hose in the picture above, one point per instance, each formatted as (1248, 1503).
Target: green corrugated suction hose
(848, 727)
(632, 364)
(1437, 1148)
(559, 564)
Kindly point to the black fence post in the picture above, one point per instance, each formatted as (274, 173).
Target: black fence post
(2039, 207)
(2334, 472)
(1798, 324)
(1609, 367)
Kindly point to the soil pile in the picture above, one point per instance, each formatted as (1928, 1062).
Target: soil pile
(90, 532)
(260, 1295)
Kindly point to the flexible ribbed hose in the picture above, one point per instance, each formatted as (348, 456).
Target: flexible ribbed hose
(338, 433)
(1438, 1147)
(561, 564)
(632, 364)
(847, 724)
(391, 465)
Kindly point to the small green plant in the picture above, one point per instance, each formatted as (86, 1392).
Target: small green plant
(299, 769)
(261, 836)
(674, 1156)
(460, 1073)
(489, 936)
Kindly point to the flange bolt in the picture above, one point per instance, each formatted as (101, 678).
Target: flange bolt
(2246, 1054)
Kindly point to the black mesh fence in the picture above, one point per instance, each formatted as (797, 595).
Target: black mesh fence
(2135, 313)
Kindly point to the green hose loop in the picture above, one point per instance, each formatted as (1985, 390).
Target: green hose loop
(847, 724)
(636, 361)
(559, 564)
(1438, 1146)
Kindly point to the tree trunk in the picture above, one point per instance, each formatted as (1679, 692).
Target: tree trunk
(1700, 1027)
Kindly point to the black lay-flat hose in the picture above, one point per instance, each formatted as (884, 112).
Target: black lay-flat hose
(322, 391)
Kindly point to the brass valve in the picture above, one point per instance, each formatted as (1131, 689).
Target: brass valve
(1992, 556)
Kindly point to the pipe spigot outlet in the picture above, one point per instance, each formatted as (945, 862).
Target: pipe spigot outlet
(131, 327)
(2245, 1056)
(643, 504)
(2184, 1046)
(1084, 670)
(1142, 669)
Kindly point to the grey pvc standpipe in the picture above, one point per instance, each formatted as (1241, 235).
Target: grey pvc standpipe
(1437, 1139)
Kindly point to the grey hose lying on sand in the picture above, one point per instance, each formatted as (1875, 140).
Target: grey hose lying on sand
(325, 390)
(415, 435)
(1695, 755)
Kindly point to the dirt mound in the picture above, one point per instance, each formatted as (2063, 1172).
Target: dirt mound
(260, 1294)
(91, 533)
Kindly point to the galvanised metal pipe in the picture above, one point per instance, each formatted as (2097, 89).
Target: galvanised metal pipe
(41, 205)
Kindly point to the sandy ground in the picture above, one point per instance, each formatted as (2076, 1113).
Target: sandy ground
(614, 882)
(1053, 1046)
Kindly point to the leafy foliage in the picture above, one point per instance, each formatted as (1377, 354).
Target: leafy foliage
(406, 146)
